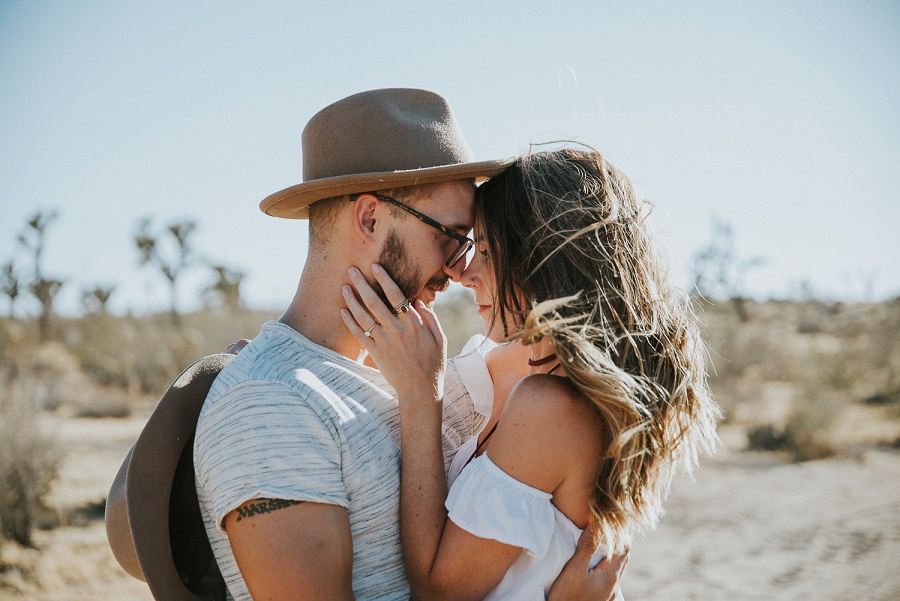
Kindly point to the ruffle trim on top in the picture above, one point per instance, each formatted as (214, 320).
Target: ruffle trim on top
(472, 368)
(489, 503)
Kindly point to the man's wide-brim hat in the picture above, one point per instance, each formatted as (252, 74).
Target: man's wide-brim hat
(375, 140)
(153, 520)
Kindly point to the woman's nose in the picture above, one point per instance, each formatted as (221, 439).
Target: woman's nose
(470, 273)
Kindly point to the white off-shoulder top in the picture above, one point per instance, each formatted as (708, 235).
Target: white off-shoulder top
(489, 503)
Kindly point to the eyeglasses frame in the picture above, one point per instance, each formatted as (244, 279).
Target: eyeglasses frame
(465, 243)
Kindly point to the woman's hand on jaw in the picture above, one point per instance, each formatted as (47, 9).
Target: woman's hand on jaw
(408, 347)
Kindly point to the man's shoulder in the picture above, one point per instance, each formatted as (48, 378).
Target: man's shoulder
(250, 416)
(273, 359)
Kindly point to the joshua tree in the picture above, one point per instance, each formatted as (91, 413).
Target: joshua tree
(94, 300)
(44, 289)
(718, 272)
(172, 264)
(227, 286)
(33, 239)
(9, 284)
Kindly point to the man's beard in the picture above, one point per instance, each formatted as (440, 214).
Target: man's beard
(396, 261)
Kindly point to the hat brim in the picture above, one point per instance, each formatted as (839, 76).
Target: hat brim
(153, 520)
(293, 202)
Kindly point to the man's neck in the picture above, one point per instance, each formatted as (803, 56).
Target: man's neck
(315, 310)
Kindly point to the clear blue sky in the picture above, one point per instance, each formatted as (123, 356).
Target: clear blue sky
(779, 117)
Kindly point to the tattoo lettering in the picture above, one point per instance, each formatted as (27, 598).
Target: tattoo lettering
(264, 506)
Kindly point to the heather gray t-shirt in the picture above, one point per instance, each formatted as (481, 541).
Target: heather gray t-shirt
(289, 419)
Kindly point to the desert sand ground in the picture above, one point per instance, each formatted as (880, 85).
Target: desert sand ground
(750, 526)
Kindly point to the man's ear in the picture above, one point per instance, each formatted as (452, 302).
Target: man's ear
(366, 215)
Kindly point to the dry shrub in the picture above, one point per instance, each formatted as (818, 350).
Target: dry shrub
(883, 399)
(830, 354)
(29, 459)
(884, 348)
(838, 371)
(114, 404)
(807, 434)
(765, 438)
(127, 353)
(737, 347)
(144, 354)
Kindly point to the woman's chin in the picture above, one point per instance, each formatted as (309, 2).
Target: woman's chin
(491, 330)
(495, 333)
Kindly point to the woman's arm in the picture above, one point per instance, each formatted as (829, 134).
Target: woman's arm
(533, 444)
(442, 560)
(409, 350)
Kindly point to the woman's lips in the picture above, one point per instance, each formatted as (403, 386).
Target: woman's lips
(483, 308)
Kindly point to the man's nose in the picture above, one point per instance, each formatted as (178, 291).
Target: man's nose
(455, 272)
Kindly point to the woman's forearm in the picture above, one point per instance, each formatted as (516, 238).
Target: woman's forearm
(423, 491)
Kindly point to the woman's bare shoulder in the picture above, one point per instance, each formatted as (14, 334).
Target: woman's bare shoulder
(547, 432)
(547, 400)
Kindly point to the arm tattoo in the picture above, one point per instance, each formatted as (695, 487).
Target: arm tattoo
(263, 506)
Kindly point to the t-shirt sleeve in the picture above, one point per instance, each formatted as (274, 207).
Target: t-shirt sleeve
(264, 440)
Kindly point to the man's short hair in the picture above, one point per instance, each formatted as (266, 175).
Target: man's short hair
(323, 213)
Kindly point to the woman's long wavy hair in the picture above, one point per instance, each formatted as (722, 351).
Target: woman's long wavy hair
(574, 263)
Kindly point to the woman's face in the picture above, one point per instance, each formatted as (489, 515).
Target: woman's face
(479, 277)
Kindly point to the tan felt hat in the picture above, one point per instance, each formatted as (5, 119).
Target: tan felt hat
(153, 520)
(379, 139)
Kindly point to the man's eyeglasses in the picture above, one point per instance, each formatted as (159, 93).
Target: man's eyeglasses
(465, 244)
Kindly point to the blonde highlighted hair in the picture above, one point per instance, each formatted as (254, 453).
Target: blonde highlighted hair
(574, 263)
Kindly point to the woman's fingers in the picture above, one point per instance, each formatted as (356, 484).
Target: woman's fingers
(579, 581)
(362, 317)
(235, 347)
(587, 544)
(431, 321)
(354, 328)
(610, 572)
(620, 562)
(391, 290)
(369, 297)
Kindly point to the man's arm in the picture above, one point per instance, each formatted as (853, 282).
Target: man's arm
(292, 550)
(261, 449)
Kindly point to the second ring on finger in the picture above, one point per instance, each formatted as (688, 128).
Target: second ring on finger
(403, 307)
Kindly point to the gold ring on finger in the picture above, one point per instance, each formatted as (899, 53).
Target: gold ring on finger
(369, 331)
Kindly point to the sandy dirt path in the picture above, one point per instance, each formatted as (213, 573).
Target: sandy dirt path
(749, 527)
(754, 528)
